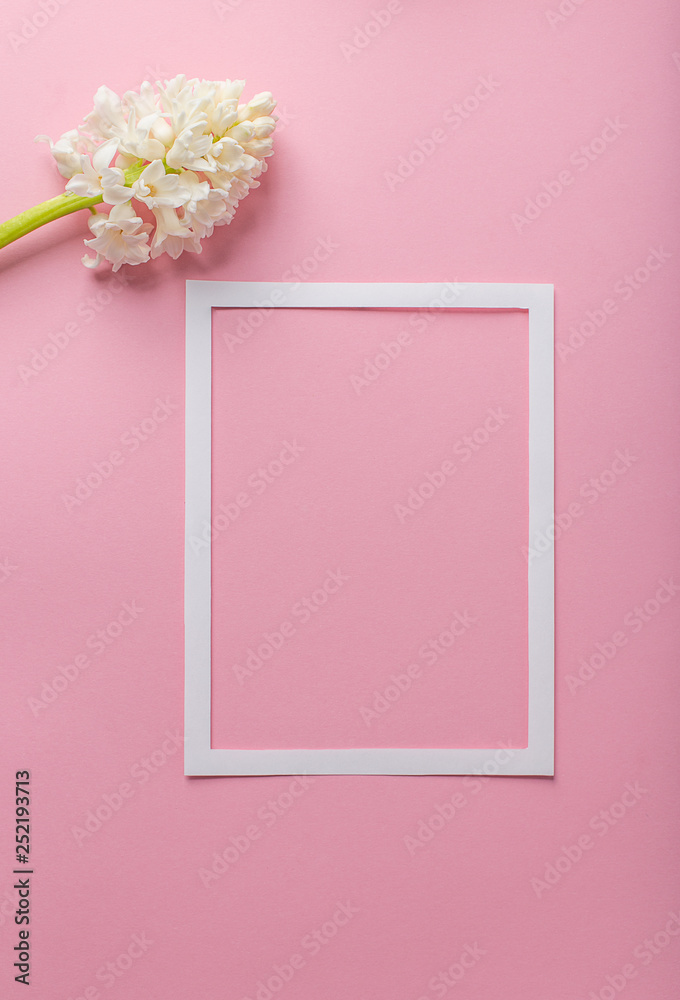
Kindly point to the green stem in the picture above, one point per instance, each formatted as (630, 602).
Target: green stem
(47, 211)
(56, 208)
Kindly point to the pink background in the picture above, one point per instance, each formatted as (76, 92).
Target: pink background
(435, 868)
(363, 452)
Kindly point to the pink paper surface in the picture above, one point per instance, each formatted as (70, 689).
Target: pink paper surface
(370, 498)
(559, 165)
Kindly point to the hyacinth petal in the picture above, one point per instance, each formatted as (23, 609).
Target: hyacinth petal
(168, 223)
(156, 188)
(264, 126)
(261, 104)
(79, 186)
(103, 155)
(145, 102)
(189, 149)
(174, 246)
(91, 261)
(121, 237)
(107, 113)
(64, 152)
(116, 194)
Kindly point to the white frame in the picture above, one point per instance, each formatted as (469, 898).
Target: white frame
(200, 758)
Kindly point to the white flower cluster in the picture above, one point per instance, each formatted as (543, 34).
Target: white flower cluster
(186, 150)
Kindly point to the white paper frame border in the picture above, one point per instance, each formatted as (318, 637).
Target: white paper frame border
(199, 757)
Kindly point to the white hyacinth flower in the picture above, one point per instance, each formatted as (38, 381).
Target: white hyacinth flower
(107, 116)
(259, 106)
(190, 147)
(172, 235)
(67, 151)
(120, 237)
(98, 178)
(156, 188)
(143, 103)
(206, 207)
(188, 150)
(140, 140)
